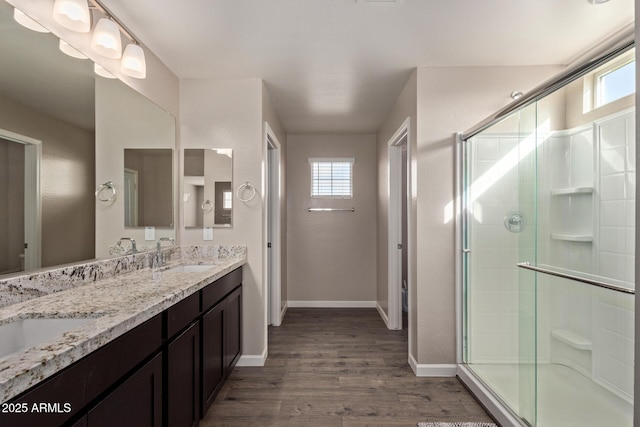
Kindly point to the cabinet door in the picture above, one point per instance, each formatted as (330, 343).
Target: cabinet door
(232, 329)
(136, 402)
(213, 367)
(183, 379)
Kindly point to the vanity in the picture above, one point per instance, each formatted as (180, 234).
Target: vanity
(112, 340)
(152, 348)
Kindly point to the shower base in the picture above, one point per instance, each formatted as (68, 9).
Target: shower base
(566, 398)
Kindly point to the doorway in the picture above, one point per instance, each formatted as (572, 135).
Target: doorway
(20, 182)
(275, 307)
(399, 278)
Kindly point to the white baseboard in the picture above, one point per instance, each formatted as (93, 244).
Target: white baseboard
(284, 311)
(252, 360)
(331, 304)
(384, 316)
(432, 370)
(497, 410)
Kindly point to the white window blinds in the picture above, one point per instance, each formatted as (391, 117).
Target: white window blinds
(331, 177)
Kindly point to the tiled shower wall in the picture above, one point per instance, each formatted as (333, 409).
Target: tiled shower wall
(494, 300)
(617, 192)
(604, 317)
(613, 313)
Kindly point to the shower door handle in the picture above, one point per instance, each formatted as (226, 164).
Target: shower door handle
(527, 266)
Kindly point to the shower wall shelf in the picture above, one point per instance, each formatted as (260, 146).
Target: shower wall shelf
(572, 237)
(572, 190)
(572, 339)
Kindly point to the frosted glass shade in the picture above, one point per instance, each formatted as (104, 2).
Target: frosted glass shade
(133, 63)
(106, 39)
(70, 50)
(27, 22)
(102, 72)
(73, 15)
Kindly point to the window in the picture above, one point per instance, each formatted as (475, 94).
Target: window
(615, 82)
(226, 200)
(331, 177)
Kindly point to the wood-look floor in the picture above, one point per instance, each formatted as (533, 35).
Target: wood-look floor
(338, 367)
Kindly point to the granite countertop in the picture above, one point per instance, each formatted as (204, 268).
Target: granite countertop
(118, 304)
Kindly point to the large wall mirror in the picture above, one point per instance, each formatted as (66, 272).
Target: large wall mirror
(55, 121)
(208, 191)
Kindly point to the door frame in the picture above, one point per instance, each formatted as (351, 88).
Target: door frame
(272, 190)
(32, 199)
(399, 138)
(131, 197)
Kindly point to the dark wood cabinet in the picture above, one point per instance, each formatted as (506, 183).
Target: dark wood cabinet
(165, 372)
(221, 334)
(183, 378)
(137, 402)
(88, 379)
(213, 366)
(232, 329)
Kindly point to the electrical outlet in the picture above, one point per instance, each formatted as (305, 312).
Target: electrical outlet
(149, 233)
(207, 233)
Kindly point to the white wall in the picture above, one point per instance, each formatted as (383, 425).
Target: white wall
(404, 107)
(270, 117)
(229, 114)
(636, 418)
(332, 255)
(450, 99)
(125, 119)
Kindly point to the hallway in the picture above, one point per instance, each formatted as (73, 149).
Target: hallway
(338, 367)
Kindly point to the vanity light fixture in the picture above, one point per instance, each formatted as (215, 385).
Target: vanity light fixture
(516, 94)
(67, 49)
(28, 22)
(73, 15)
(598, 1)
(106, 39)
(99, 70)
(133, 63)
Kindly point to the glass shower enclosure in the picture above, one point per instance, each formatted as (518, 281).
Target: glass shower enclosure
(548, 227)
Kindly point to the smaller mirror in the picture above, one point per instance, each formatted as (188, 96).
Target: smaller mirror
(208, 190)
(148, 180)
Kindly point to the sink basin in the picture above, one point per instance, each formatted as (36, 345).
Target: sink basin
(22, 334)
(194, 268)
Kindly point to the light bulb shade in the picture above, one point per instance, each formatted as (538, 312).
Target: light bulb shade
(28, 22)
(133, 63)
(99, 70)
(70, 50)
(73, 15)
(106, 39)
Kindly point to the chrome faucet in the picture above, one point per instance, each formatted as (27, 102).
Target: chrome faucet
(132, 241)
(159, 254)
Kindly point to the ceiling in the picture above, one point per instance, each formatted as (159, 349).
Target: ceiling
(337, 66)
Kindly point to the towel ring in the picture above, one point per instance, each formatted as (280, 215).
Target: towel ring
(207, 206)
(249, 187)
(110, 186)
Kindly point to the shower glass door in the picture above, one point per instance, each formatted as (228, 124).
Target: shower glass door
(500, 231)
(549, 256)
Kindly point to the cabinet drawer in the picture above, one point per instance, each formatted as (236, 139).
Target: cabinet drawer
(180, 315)
(221, 287)
(85, 380)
